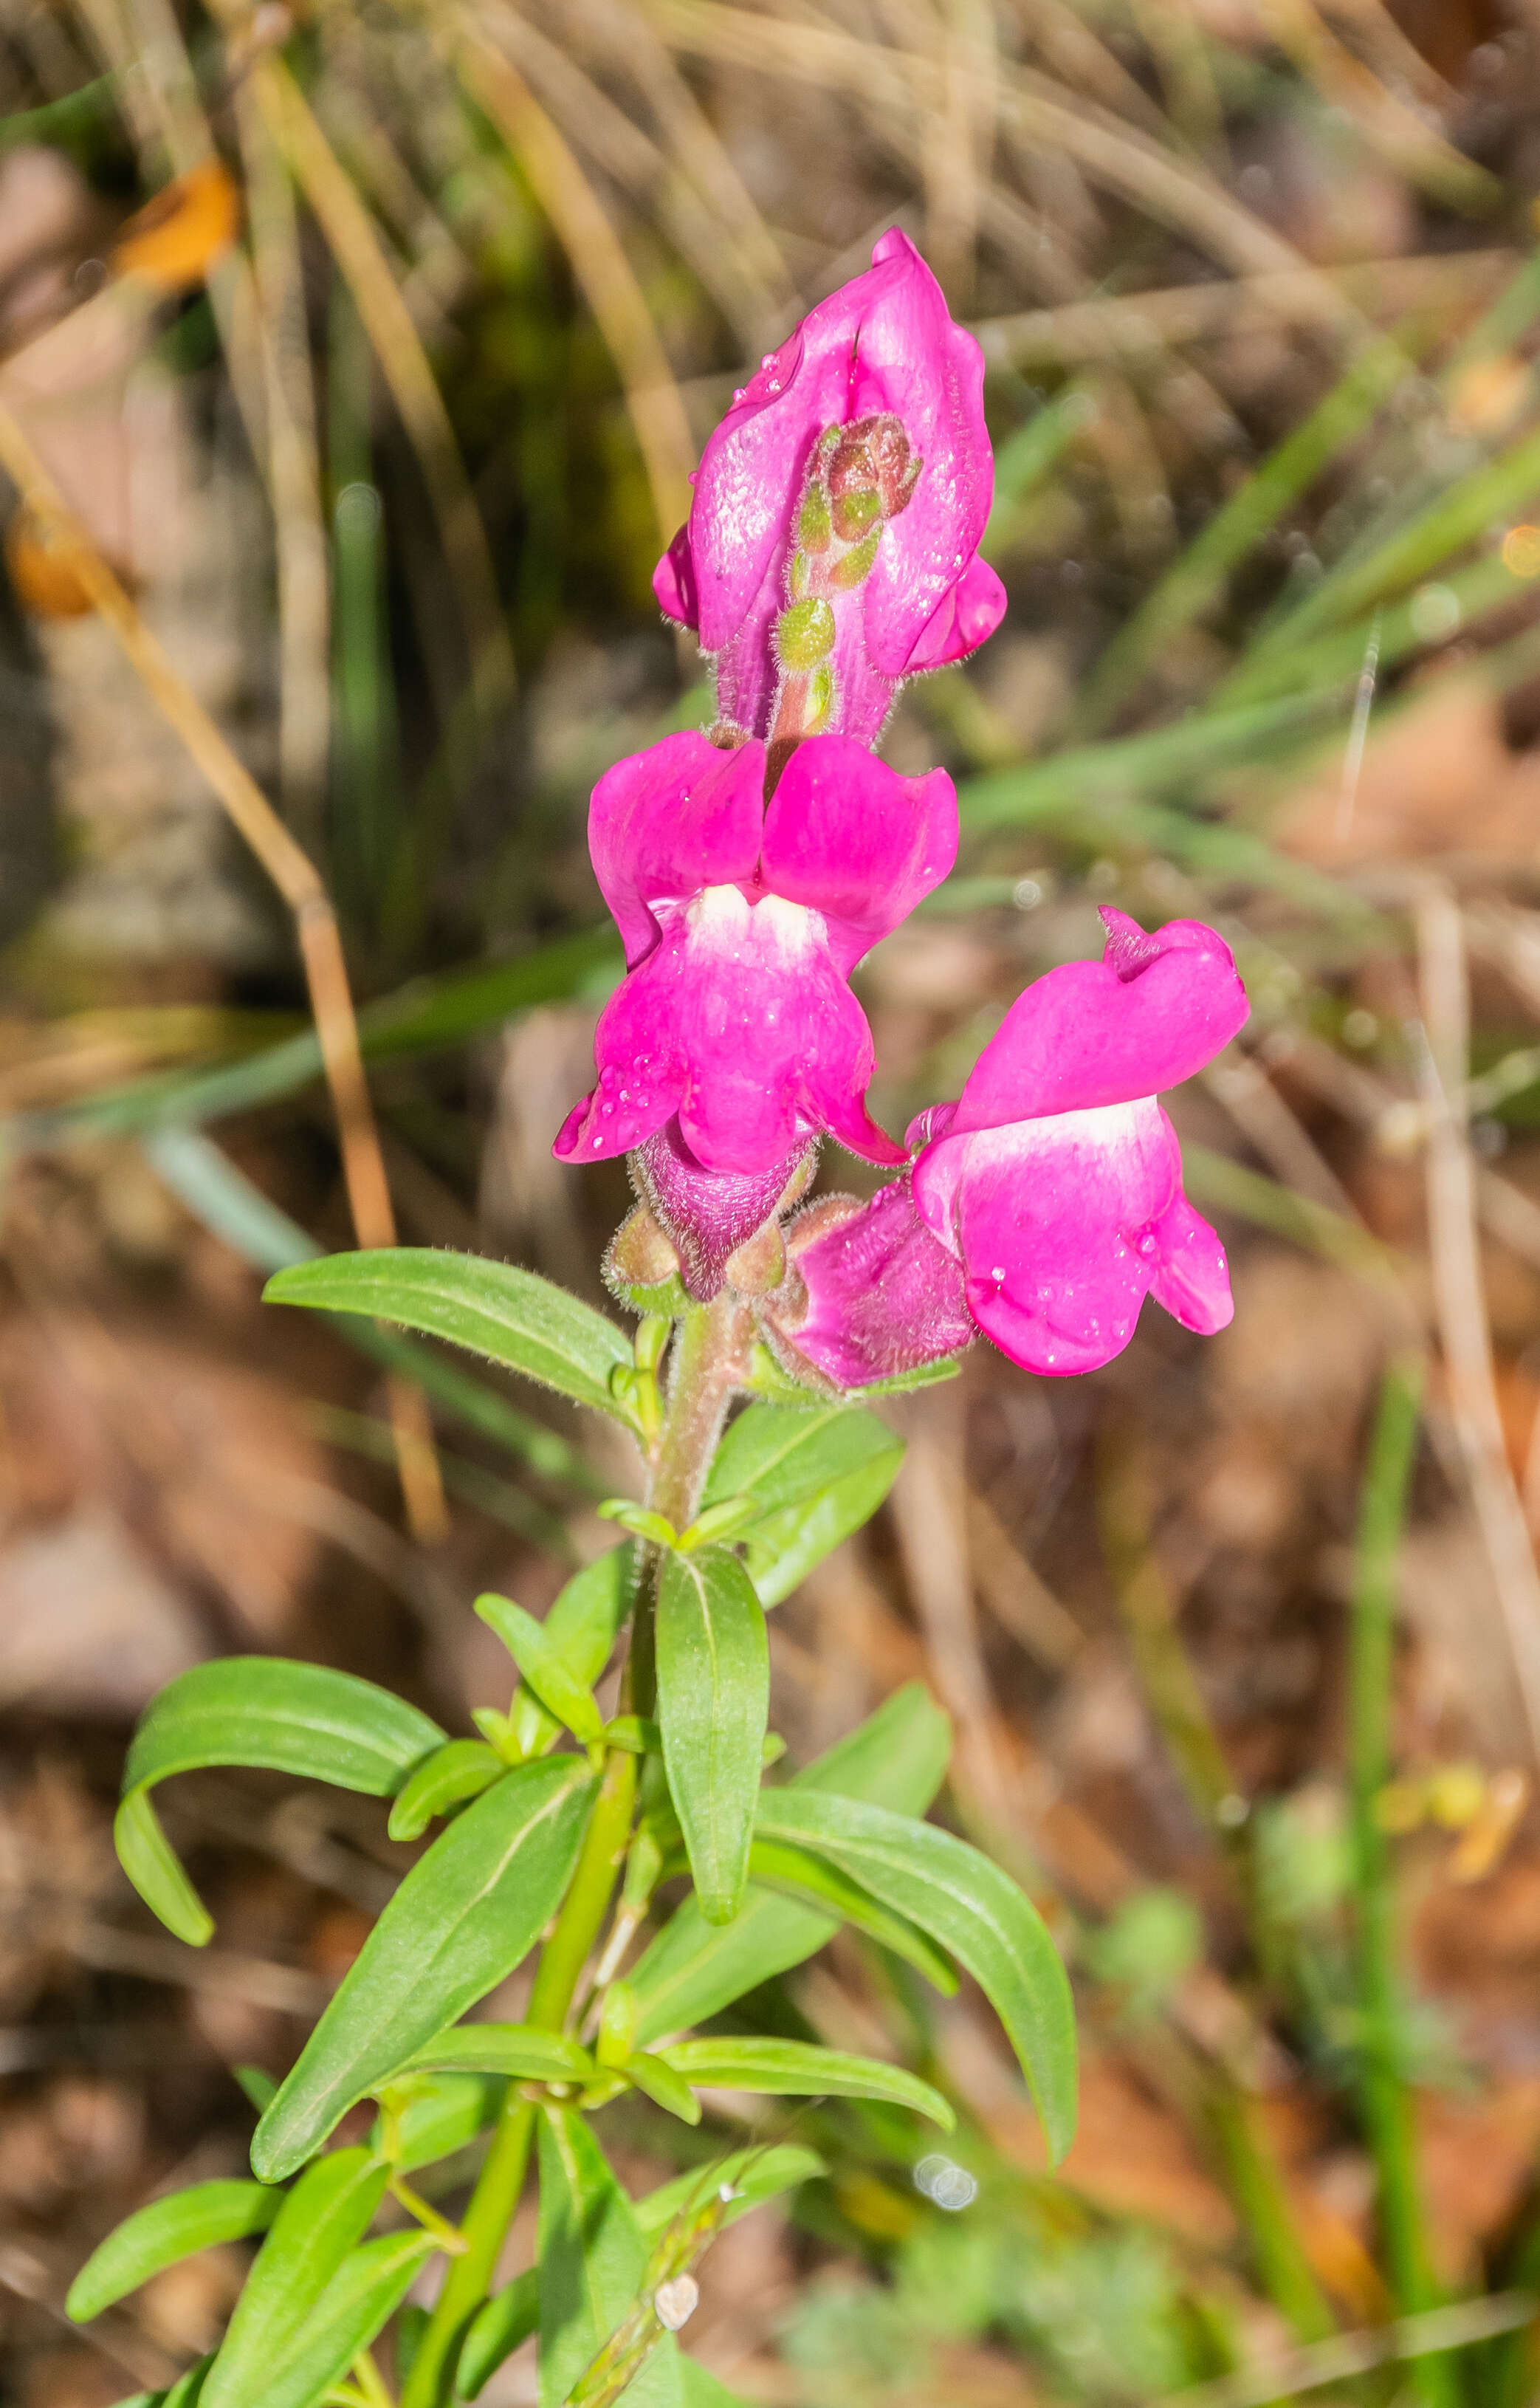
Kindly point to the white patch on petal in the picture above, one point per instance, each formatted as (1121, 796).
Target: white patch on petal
(771, 931)
(1105, 1129)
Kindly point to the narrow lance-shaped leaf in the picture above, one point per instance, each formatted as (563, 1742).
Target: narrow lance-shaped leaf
(545, 1666)
(458, 1771)
(321, 2220)
(584, 1623)
(794, 2069)
(815, 1475)
(518, 2050)
(592, 2259)
(493, 1308)
(713, 1704)
(366, 2290)
(897, 1758)
(166, 2231)
(464, 1917)
(267, 1711)
(971, 1908)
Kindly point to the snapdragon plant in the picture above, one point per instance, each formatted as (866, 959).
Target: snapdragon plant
(641, 1855)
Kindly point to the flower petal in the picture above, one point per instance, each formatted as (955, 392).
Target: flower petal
(857, 842)
(1095, 1033)
(664, 822)
(1057, 1222)
(1191, 1277)
(960, 622)
(673, 582)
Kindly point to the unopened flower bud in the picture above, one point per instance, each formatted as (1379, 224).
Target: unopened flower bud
(815, 528)
(855, 566)
(714, 1217)
(640, 1265)
(874, 1296)
(805, 635)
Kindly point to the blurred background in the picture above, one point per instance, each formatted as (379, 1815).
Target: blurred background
(373, 346)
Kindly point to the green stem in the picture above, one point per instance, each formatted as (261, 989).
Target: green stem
(430, 2384)
(1384, 2102)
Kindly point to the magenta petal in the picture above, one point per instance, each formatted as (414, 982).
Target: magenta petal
(1085, 1036)
(1058, 1221)
(664, 822)
(673, 582)
(641, 1074)
(855, 841)
(882, 1296)
(1191, 1276)
(962, 620)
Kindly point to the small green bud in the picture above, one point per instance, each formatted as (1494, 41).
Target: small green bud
(856, 566)
(800, 575)
(814, 526)
(804, 634)
(856, 511)
(821, 699)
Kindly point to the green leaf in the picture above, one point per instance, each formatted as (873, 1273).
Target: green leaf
(897, 1758)
(782, 1549)
(518, 2050)
(263, 1711)
(165, 2232)
(700, 2388)
(188, 2390)
(663, 2086)
(257, 2084)
(713, 1704)
(438, 2116)
(492, 1307)
(781, 1455)
(971, 1908)
(155, 1869)
(753, 2175)
(500, 2327)
(796, 2069)
(593, 2258)
(841, 1456)
(365, 2291)
(545, 1666)
(464, 1917)
(321, 2222)
(796, 1872)
(459, 1769)
(584, 1623)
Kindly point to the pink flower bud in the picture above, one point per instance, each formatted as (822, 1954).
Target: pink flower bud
(874, 1294)
(879, 369)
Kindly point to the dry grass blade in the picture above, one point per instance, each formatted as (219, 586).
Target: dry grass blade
(1336, 2361)
(147, 52)
(355, 246)
(612, 29)
(294, 474)
(1460, 1299)
(298, 881)
(1398, 129)
(607, 281)
(1032, 109)
(1144, 323)
(617, 146)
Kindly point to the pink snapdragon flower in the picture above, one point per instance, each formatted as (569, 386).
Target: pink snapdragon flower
(734, 1027)
(833, 535)
(1048, 1200)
